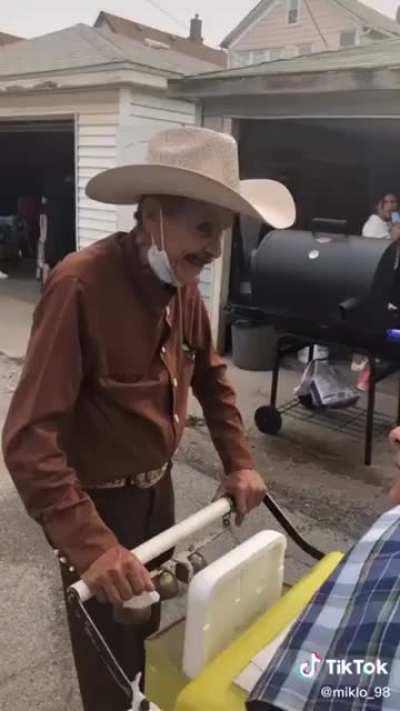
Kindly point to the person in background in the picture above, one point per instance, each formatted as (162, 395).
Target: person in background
(42, 269)
(384, 223)
(354, 614)
(59, 211)
(379, 224)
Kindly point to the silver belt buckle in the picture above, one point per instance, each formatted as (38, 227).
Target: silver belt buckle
(145, 480)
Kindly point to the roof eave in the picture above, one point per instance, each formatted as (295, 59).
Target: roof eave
(72, 88)
(244, 24)
(100, 17)
(329, 81)
(47, 75)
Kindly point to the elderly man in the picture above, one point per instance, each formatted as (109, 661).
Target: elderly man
(119, 336)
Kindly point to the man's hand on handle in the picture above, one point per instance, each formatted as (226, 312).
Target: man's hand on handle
(247, 488)
(117, 576)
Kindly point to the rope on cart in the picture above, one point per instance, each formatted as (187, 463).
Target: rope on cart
(100, 644)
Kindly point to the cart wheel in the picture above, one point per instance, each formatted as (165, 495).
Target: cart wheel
(268, 420)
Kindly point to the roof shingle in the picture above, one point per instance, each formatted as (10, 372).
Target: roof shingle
(83, 46)
(139, 32)
(8, 39)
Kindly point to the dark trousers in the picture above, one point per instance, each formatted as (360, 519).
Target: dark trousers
(135, 515)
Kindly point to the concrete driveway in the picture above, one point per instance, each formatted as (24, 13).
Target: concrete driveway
(18, 297)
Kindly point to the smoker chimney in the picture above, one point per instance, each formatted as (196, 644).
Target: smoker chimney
(398, 15)
(195, 30)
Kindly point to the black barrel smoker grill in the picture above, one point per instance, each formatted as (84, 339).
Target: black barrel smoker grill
(329, 288)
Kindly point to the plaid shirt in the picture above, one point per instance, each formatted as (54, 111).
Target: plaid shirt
(354, 616)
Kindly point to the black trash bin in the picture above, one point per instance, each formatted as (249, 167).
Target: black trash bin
(253, 345)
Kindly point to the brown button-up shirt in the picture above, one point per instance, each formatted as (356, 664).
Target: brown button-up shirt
(104, 389)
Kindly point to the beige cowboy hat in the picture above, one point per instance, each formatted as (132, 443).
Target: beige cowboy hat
(200, 164)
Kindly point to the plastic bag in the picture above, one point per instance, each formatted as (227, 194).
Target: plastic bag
(322, 386)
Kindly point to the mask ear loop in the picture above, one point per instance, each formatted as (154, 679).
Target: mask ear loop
(162, 230)
(179, 293)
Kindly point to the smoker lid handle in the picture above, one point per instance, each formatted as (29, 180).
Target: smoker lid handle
(335, 228)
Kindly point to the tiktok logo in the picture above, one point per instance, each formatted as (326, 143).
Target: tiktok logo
(309, 669)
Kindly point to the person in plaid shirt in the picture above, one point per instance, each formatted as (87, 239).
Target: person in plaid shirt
(343, 653)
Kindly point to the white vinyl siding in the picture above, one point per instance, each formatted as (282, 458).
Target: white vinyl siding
(305, 48)
(96, 150)
(273, 30)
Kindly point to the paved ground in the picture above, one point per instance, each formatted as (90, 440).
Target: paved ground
(18, 297)
(317, 476)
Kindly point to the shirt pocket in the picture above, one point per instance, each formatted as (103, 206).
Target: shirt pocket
(121, 388)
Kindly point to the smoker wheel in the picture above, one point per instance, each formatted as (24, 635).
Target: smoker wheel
(268, 420)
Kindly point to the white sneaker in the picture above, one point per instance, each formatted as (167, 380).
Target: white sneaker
(3, 275)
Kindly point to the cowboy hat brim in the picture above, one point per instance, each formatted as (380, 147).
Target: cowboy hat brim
(265, 200)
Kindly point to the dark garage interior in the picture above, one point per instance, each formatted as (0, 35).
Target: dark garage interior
(334, 167)
(36, 176)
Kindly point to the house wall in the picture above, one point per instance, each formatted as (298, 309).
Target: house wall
(217, 273)
(113, 128)
(273, 31)
(96, 150)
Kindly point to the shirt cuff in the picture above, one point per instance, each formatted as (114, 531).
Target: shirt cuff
(79, 534)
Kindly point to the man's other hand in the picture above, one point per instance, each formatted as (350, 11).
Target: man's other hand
(117, 576)
(394, 494)
(395, 231)
(247, 488)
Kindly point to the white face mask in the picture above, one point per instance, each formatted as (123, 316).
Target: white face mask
(159, 260)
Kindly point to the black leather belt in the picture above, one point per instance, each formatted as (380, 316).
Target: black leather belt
(144, 480)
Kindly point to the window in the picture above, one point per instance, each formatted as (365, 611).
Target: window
(290, 51)
(233, 60)
(260, 55)
(305, 48)
(241, 59)
(249, 56)
(276, 53)
(348, 38)
(293, 12)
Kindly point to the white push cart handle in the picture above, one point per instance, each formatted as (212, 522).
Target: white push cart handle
(163, 542)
